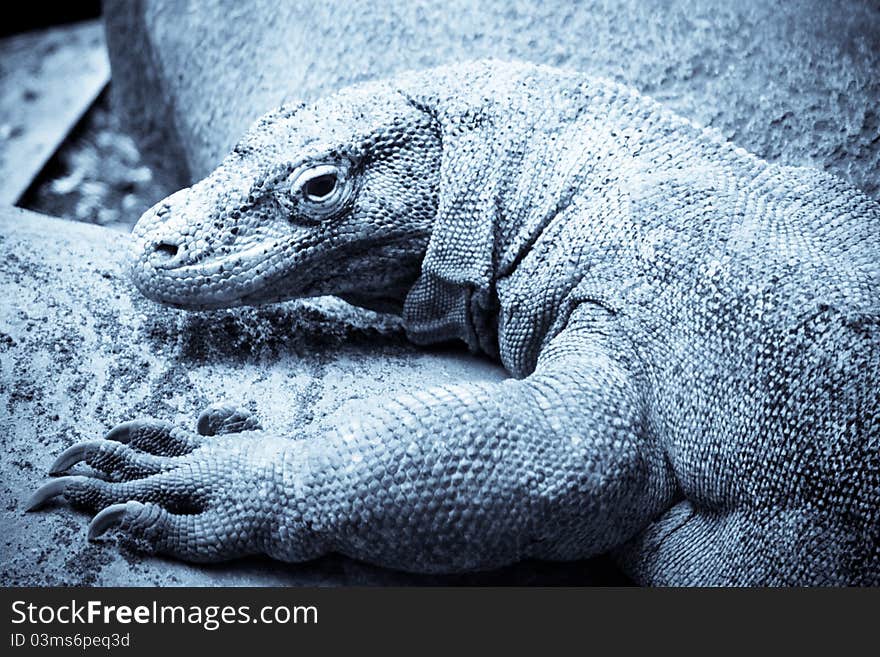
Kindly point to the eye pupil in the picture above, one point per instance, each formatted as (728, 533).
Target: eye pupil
(320, 186)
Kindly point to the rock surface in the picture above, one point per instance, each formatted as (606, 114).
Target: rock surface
(790, 81)
(48, 79)
(81, 350)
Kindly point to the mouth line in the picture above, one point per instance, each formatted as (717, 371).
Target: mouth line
(235, 279)
(240, 279)
(210, 266)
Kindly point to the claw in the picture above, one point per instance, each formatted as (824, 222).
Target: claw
(73, 455)
(208, 418)
(121, 433)
(49, 490)
(225, 418)
(109, 517)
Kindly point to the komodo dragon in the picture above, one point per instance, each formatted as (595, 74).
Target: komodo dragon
(692, 334)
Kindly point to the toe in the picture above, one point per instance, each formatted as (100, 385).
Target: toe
(115, 459)
(154, 437)
(152, 528)
(225, 418)
(167, 488)
(48, 491)
(111, 516)
(74, 454)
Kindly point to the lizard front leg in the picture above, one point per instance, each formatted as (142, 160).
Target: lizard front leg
(558, 465)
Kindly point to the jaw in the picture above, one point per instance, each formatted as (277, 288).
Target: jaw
(244, 278)
(376, 277)
(174, 295)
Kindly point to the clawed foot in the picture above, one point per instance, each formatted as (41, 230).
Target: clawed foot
(198, 496)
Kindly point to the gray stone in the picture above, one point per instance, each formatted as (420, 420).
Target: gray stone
(793, 82)
(81, 350)
(48, 79)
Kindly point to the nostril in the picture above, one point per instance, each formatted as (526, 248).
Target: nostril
(166, 249)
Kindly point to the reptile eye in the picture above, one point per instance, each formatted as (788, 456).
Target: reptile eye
(320, 187)
(317, 192)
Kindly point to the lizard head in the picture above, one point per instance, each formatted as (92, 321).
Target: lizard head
(337, 197)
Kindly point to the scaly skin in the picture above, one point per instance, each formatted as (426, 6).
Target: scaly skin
(692, 334)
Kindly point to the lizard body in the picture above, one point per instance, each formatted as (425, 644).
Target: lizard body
(692, 333)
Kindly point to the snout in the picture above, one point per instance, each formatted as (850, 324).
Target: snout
(165, 252)
(160, 245)
(158, 235)
(185, 255)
